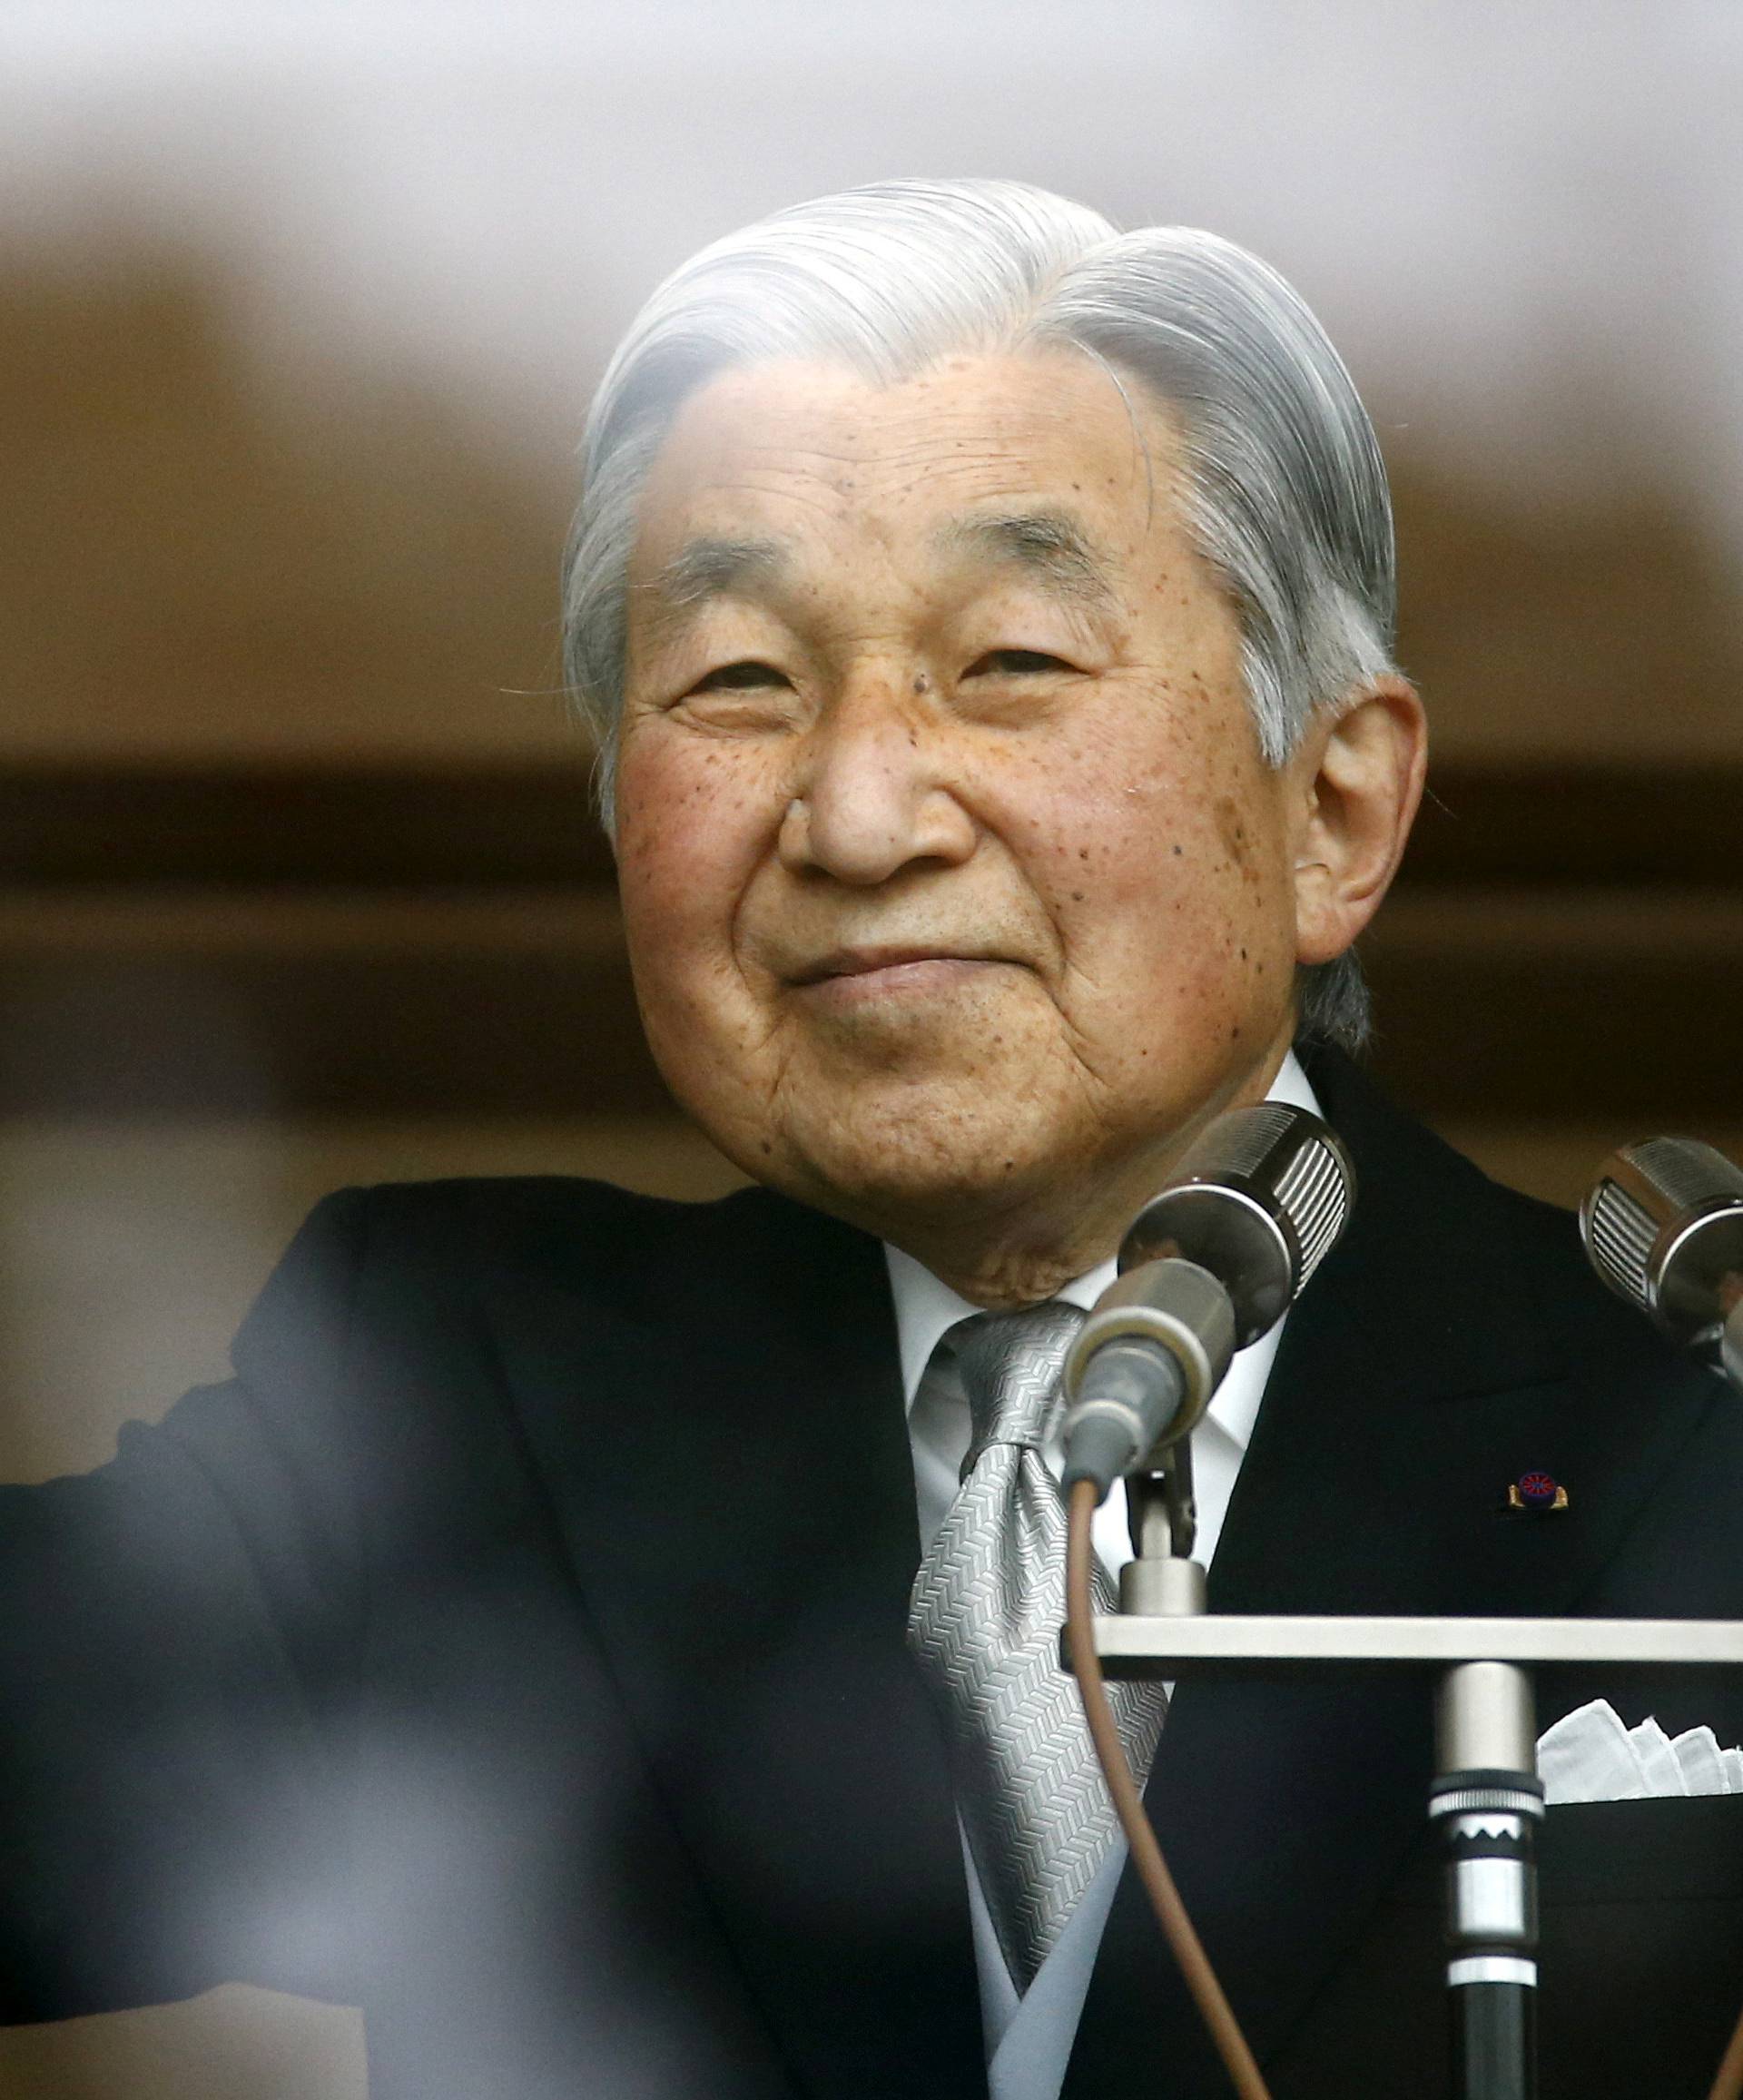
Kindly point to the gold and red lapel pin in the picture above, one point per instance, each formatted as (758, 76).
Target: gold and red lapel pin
(1537, 1493)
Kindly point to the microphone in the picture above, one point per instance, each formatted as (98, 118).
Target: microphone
(1209, 1265)
(1663, 1228)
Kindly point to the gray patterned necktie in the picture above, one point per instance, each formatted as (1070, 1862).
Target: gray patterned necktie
(983, 1624)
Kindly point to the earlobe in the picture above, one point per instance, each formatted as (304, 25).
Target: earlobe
(1360, 779)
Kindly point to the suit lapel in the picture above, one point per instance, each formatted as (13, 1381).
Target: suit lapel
(1424, 1370)
(743, 1535)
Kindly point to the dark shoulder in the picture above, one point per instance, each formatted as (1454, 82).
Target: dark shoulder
(537, 1221)
(479, 1214)
(1433, 1225)
(1403, 1167)
(449, 1241)
(387, 1289)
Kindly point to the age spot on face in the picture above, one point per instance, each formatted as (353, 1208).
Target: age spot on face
(1232, 826)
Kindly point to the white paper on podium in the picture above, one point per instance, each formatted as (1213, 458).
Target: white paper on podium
(1590, 1756)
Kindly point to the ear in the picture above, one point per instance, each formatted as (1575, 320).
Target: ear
(1358, 778)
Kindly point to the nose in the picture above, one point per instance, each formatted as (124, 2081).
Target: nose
(875, 793)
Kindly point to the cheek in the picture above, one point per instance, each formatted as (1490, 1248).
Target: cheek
(690, 825)
(1164, 869)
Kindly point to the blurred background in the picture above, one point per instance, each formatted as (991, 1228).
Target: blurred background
(299, 310)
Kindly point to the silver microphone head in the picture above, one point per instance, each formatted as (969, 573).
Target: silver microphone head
(1663, 1226)
(1259, 1200)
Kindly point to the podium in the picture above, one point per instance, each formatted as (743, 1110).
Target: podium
(1485, 1799)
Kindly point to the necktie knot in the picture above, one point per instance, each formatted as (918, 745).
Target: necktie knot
(1010, 1365)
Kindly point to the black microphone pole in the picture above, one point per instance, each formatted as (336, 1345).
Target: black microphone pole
(1486, 1802)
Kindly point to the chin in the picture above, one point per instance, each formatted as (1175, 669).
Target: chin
(882, 1163)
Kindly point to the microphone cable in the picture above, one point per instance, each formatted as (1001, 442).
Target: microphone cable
(1177, 1928)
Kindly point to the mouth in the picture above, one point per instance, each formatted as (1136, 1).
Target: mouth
(849, 973)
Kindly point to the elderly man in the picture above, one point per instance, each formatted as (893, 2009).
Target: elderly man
(986, 619)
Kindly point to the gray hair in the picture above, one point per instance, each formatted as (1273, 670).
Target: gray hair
(1284, 488)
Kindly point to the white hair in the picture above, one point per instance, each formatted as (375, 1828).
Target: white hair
(1283, 485)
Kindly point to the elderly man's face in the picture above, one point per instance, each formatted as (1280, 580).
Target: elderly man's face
(957, 893)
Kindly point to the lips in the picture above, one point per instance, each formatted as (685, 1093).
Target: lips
(870, 960)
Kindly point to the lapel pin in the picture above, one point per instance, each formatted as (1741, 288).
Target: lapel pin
(1537, 1494)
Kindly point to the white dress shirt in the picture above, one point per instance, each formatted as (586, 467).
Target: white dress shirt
(1029, 2037)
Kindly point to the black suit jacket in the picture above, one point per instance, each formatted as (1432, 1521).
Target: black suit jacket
(516, 1646)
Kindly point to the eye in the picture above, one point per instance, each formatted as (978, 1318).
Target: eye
(1013, 662)
(739, 677)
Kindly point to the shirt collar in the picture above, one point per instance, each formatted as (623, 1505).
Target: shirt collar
(926, 1308)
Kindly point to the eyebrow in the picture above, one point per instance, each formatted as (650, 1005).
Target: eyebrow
(1049, 545)
(708, 567)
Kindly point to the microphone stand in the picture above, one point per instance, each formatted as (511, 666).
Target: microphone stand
(1162, 1578)
(1486, 1798)
(1486, 1802)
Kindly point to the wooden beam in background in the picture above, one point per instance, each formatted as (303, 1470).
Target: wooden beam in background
(366, 827)
(1545, 1003)
(1569, 824)
(403, 942)
(145, 1005)
(1561, 1003)
(391, 827)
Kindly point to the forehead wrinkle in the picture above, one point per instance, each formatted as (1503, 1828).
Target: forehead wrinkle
(1049, 545)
